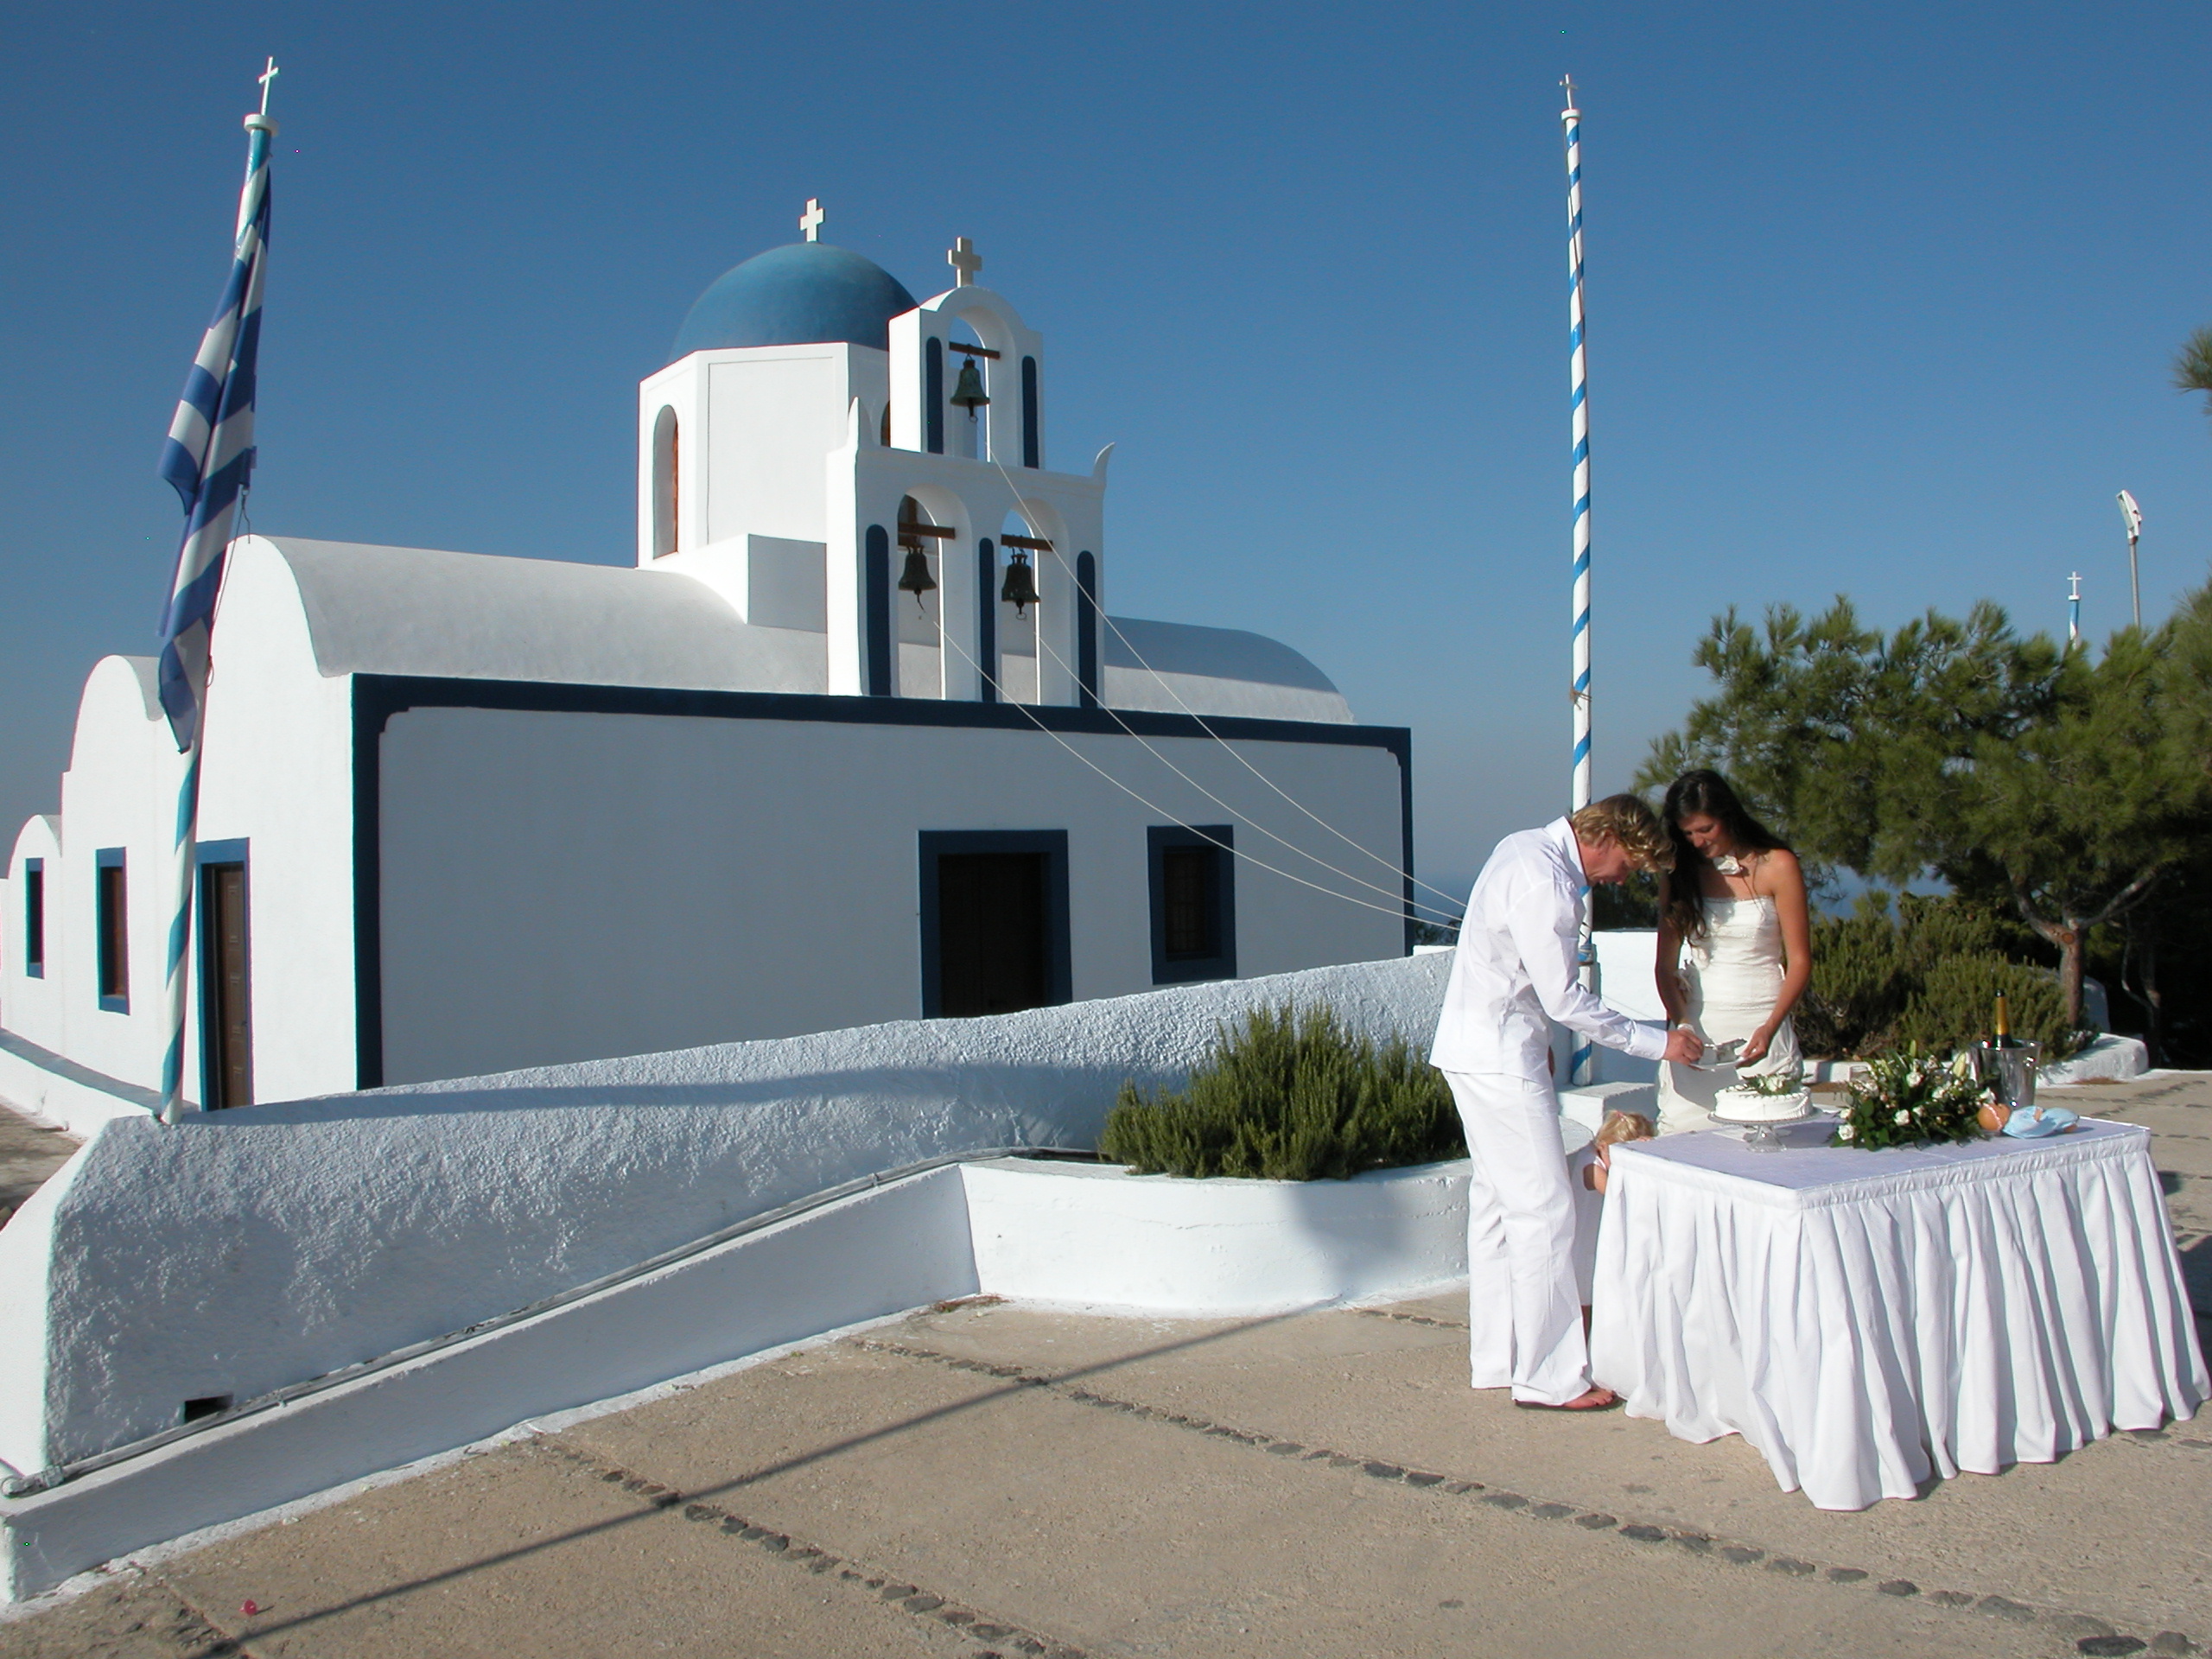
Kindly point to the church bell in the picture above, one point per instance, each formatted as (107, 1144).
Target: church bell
(968, 393)
(1020, 589)
(915, 579)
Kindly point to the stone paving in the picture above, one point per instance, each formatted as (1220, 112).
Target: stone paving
(29, 1154)
(988, 1478)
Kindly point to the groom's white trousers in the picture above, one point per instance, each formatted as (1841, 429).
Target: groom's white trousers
(1524, 1311)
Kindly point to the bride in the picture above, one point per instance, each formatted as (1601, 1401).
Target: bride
(1735, 943)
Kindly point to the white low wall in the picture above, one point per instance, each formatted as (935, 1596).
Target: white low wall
(243, 1251)
(1094, 1234)
(877, 1252)
(1044, 1231)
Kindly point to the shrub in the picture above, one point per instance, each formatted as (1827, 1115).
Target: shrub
(1928, 974)
(1290, 1096)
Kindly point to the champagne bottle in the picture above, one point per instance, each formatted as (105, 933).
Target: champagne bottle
(2004, 1037)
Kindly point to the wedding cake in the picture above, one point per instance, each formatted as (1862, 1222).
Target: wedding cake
(1743, 1103)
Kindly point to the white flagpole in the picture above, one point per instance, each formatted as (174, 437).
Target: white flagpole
(209, 459)
(1581, 1067)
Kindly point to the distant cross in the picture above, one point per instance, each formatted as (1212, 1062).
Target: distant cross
(264, 77)
(811, 220)
(965, 259)
(1568, 82)
(2075, 588)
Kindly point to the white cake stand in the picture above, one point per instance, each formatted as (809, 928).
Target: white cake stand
(1759, 1132)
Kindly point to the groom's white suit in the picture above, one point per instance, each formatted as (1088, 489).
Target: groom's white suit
(1512, 976)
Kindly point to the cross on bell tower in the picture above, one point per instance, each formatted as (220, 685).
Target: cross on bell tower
(811, 220)
(965, 260)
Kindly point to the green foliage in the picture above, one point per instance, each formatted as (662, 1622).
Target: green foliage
(1290, 1096)
(1928, 973)
(2193, 365)
(2066, 786)
(1632, 903)
(1910, 1098)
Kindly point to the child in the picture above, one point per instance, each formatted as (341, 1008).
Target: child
(1589, 1204)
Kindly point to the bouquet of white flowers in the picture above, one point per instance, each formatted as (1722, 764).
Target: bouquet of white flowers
(1910, 1097)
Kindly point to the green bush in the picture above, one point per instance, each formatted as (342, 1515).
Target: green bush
(1928, 974)
(1290, 1096)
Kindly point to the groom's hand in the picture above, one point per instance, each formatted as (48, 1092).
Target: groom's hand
(1684, 1046)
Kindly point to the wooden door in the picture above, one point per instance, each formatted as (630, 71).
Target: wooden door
(226, 1031)
(991, 947)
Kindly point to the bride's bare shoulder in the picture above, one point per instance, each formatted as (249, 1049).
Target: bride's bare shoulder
(1778, 867)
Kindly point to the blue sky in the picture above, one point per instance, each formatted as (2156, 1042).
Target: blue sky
(1883, 299)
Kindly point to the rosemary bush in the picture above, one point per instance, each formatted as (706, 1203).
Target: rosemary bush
(1290, 1096)
(1910, 1097)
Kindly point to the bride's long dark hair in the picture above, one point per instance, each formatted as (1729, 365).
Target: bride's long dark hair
(1705, 792)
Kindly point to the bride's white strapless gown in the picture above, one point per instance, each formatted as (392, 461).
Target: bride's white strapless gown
(1733, 974)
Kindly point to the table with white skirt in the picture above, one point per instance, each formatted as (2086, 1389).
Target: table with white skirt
(1868, 1321)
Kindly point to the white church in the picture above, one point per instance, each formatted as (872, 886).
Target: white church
(856, 740)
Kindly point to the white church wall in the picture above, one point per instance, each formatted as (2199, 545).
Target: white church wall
(279, 777)
(775, 414)
(558, 886)
(32, 1003)
(243, 1251)
(118, 797)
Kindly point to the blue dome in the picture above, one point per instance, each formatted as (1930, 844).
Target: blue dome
(805, 294)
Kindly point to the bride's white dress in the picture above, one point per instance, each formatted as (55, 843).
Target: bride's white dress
(1733, 976)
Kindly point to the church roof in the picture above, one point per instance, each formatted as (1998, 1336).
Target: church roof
(805, 294)
(424, 612)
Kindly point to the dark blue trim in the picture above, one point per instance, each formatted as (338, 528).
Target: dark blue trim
(987, 617)
(1405, 753)
(377, 697)
(34, 918)
(1086, 629)
(1221, 839)
(933, 394)
(204, 854)
(875, 608)
(110, 858)
(1030, 456)
(1053, 843)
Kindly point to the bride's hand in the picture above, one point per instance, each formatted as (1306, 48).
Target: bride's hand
(1756, 1047)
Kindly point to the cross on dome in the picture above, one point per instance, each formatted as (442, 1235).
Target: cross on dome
(965, 259)
(264, 77)
(811, 220)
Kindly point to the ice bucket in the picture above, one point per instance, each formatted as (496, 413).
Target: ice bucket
(2009, 1073)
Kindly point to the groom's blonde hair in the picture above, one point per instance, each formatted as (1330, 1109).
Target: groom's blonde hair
(1630, 825)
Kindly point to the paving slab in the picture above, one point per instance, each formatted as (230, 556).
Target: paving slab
(29, 1154)
(1032, 1483)
(1114, 1530)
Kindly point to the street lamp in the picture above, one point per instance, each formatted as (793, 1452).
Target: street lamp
(2131, 516)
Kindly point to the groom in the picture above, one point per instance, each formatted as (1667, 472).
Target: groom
(1512, 974)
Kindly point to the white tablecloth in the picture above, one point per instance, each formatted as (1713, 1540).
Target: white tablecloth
(1868, 1320)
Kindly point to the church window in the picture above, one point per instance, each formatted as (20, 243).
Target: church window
(1086, 629)
(875, 611)
(933, 394)
(112, 930)
(667, 485)
(995, 921)
(35, 918)
(1193, 903)
(1030, 448)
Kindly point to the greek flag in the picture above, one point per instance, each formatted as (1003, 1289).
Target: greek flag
(209, 454)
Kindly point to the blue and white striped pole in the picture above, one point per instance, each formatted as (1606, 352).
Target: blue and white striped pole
(1581, 1068)
(209, 460)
